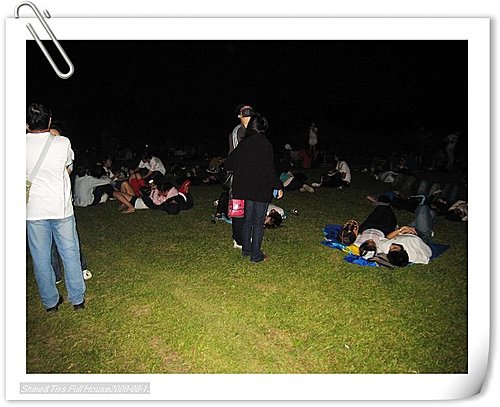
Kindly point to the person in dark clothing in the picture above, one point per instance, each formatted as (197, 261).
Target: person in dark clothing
(381, 218)
(254, 180)
(244, 113)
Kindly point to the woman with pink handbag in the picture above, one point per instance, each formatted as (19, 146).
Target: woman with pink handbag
(254, 180)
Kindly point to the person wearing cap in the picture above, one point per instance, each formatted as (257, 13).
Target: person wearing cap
(255, 180)
(243, 112)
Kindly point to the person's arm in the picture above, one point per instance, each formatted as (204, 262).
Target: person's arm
(408, 230)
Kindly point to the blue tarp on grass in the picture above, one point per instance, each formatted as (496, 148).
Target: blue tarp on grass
(331, 232)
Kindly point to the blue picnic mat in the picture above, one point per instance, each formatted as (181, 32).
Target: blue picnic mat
(331, 232)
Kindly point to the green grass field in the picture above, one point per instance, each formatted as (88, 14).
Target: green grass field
(169, 294)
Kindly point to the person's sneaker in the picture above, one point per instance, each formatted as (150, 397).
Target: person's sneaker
(308, 188)
(302, 189)
(315, 185)
(79, 307)
(236, 245)
(87, 274)
(55, 308)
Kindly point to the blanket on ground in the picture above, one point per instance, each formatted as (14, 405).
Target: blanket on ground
(331, 232)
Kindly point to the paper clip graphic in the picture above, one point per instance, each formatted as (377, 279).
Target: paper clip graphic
(51, 35)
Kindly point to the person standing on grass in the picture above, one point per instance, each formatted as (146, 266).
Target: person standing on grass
(244, 112)
(49, 212)
(313, 140)
(254, 180)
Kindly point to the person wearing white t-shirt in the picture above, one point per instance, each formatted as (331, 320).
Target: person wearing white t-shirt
(411, 244)
(153, 164)
(49, 212)
(339, 177)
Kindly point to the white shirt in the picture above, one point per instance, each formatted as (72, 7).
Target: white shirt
(276, 208)
(154, 164)
(313, 136)
(343, 167)
(84, 189)
(373, 234)
(50, 194)
(418, 251)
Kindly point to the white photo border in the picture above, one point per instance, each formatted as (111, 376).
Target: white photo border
(261, 387)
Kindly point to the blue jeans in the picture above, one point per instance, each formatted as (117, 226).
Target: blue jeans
(425, 219)
(40, 234)
(57, 262)
(253, 230)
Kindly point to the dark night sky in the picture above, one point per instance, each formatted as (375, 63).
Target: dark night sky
(185, 92)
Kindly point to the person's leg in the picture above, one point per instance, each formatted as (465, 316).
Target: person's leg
(40, 242)
(237, 229)
(66, 238)
(259, 214)
(425, 219)
(423, 187)
(124, 199)
(223, 203)
(56, 261)
(381, 218)
(246, 228)
(126, 188)
(100, 191)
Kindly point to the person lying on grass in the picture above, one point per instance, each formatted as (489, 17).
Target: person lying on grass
(165, 197)
(376, 226)
(411, 244)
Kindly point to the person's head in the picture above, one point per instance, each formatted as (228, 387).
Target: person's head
(258, 124)
(163, 186)
(273, 219)
(97, 171)
(81, 171)
(38, 118)
(107, 162)
(146, 157)
(244, 112)
(367, 246)
(397, 255)
(141, 172)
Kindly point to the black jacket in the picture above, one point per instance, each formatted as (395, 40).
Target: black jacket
(252, 163)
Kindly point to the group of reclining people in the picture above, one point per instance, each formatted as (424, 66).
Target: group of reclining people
(380, 239)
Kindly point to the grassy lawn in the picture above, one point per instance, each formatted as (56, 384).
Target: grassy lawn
(169, 294)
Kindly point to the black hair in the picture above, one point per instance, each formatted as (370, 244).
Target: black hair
(244, 110)
(258, 124)
(81, 171)
(146, 155)
(398, 258)
(143, 172)
(165, 186)
(275, 220)
(97, 171)
(368, 246)
(38, 117)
